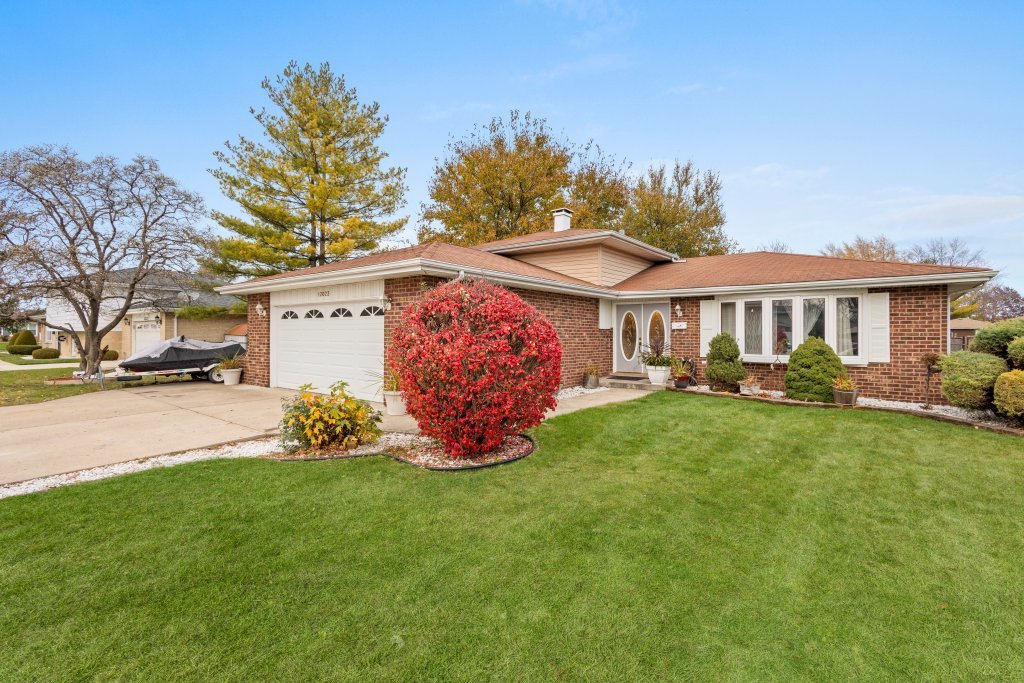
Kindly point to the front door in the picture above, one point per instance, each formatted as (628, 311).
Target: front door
(637, 328)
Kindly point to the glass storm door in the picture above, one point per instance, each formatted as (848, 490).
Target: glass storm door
(637, 328)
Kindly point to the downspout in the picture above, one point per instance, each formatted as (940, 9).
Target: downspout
(175, 325)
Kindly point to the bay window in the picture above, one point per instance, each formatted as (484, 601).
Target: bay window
(847, 320)
(752, 331)
(782, 325)
(768, 328)
(728, 315)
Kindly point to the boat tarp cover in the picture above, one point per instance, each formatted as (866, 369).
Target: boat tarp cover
(181, 353)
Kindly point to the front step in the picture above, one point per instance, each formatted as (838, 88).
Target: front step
(638, 383)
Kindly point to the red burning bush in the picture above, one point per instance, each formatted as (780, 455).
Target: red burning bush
(476, 363)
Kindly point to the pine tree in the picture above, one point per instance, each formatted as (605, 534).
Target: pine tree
(315, 189)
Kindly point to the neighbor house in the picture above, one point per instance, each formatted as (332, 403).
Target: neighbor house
(164, 306)
(609, 296)
(962, 331)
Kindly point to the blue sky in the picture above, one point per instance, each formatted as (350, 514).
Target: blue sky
(824, 122)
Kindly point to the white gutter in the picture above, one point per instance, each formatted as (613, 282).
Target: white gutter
(332, 277)
(527, 281)
(858, 283)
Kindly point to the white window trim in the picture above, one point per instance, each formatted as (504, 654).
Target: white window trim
(767, 339)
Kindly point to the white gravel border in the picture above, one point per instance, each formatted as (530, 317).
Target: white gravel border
(573, 392)
(241, 449)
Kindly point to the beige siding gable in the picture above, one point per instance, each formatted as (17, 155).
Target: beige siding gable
(598, 264)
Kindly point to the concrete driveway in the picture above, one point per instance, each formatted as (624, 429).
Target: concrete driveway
(107, 427)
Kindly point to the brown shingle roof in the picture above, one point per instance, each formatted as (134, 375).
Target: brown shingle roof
(540, 237)
(764, 268)
(439, 251)
(967, 324)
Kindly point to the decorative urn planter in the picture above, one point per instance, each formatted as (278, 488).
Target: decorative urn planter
(232, 376)
(658, 374)
(845, 398)
(750, 389)
(591, 382)
(682, 381)
(394, 404)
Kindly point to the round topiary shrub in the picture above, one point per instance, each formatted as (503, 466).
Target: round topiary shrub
(16, 338)
(110, 354)
(45, 353)
(475, 364)
(996, 338)
(968, 378)
(724, 369)
(24, 338)
(1008, 395)
(1015, 352)
(813, 366)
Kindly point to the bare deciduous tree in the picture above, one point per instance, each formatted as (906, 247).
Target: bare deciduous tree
(91, 233)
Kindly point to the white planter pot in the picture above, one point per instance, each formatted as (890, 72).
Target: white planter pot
(394, 404)
(657, 375)
(232, 376)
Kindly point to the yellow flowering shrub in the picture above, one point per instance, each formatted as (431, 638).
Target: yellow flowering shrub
(333, 420)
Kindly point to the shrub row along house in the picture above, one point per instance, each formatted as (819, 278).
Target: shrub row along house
(609, 296)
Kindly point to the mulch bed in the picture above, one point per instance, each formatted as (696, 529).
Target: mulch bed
(420, 451)
(940, 417)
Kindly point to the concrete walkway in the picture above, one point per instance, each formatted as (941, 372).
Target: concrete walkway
(107, 427)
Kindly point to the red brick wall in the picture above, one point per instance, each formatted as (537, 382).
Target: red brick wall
(575, 319)
(402, 292)
(257, 355)
(917, 325)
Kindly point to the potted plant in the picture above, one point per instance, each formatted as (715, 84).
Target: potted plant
(682, 372)
(230, 368)
(591, 376)
(657, 363)
(394, 404)
(844, 390)
(750, 386)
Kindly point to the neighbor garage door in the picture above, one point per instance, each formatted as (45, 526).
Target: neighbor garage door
(327, 342)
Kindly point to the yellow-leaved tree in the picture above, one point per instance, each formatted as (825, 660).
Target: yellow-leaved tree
(315, 189)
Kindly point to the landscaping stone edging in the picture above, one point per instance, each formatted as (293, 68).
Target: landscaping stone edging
(939, 417)
(399, 458)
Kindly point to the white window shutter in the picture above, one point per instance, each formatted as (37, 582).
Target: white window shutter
(708, 323)
(878, 334)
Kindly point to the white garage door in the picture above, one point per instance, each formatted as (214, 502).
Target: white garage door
(145, 334)
(322, 344)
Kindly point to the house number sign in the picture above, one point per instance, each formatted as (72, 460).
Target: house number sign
(679, 325)
(323, 293)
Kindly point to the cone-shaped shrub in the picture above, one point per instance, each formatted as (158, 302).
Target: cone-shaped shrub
(475, 364)
(813, 366)
(1009, 393)
(724, 370)
(996, 338)
(968, 378)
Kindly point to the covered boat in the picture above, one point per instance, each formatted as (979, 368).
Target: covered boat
(181, 354)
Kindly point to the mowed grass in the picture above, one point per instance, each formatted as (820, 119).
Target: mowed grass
(673, 537)
(29, 360)
(19, 387)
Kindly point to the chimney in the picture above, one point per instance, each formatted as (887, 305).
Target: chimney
(563, 219)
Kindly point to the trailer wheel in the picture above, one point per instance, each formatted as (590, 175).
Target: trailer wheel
(215, 376)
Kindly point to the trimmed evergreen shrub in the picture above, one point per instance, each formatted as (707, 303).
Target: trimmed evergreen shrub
(724, 369)
(995, 338)
(968, 378)
(26, 338)
(1008, 394)
(111, 354)
(1015, 352)
(22, 349)
(813, 366)
(46, 353)
(18, 337)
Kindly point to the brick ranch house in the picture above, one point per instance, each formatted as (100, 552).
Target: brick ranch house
(608, 295)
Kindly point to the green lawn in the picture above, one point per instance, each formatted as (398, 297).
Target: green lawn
(26, 386)
(674, 537)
